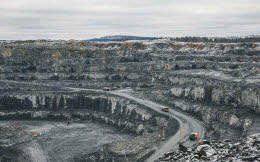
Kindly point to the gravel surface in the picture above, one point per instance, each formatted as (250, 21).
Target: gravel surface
(235, 150)
(58, 141)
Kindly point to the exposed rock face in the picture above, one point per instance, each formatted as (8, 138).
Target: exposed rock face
(215, 82)
(247, 149)
(121, 113)
(221, 79)
(228, 110)
(115, 111)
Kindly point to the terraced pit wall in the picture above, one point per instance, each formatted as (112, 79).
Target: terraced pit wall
(215, 81)
(126, 116)
(115, 111)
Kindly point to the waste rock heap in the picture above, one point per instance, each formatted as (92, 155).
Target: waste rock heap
(234, 150)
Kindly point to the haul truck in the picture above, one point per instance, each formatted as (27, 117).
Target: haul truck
(165, 109)
(193, 136)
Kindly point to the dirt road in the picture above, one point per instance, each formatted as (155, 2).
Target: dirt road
(36, 152)
(187, 124)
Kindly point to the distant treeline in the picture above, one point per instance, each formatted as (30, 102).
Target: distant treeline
(249, 39)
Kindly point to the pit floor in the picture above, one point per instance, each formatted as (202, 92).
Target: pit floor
(60, 142)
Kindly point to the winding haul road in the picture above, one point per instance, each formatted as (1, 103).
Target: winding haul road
(187, 124)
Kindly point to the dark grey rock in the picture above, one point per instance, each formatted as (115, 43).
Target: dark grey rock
(256, 143)
(227, 140)
(182, 148)
(206, 142)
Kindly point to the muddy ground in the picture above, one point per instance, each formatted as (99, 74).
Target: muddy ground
(58, 141)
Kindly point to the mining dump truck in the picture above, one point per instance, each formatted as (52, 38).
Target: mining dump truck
(193, 136)
(106, 89)
(109, 88)
(165, 109)
(34, 134)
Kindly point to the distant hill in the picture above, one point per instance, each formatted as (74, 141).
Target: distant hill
(120, 37)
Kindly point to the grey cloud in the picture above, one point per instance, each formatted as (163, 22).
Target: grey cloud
(83, 19)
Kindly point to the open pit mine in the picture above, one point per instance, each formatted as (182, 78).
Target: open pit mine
(129, 101)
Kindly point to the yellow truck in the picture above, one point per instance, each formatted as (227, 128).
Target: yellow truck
(193, 136)
(34, 134)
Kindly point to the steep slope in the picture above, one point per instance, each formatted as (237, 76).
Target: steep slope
(217, 83)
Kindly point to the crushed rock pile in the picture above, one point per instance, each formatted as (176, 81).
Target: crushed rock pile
(235, 150)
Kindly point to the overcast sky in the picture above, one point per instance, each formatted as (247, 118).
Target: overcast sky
(85, 19)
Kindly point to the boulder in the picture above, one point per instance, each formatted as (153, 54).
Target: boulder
(256, 143)
(195, 157)
(168, 158)
(231, 146)
(169, 154)
(206, 142)
(210, 152)
(227, 140)
(189, 150)
(182, 148)
(202, 153)
(204, 158)
(200, 147)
